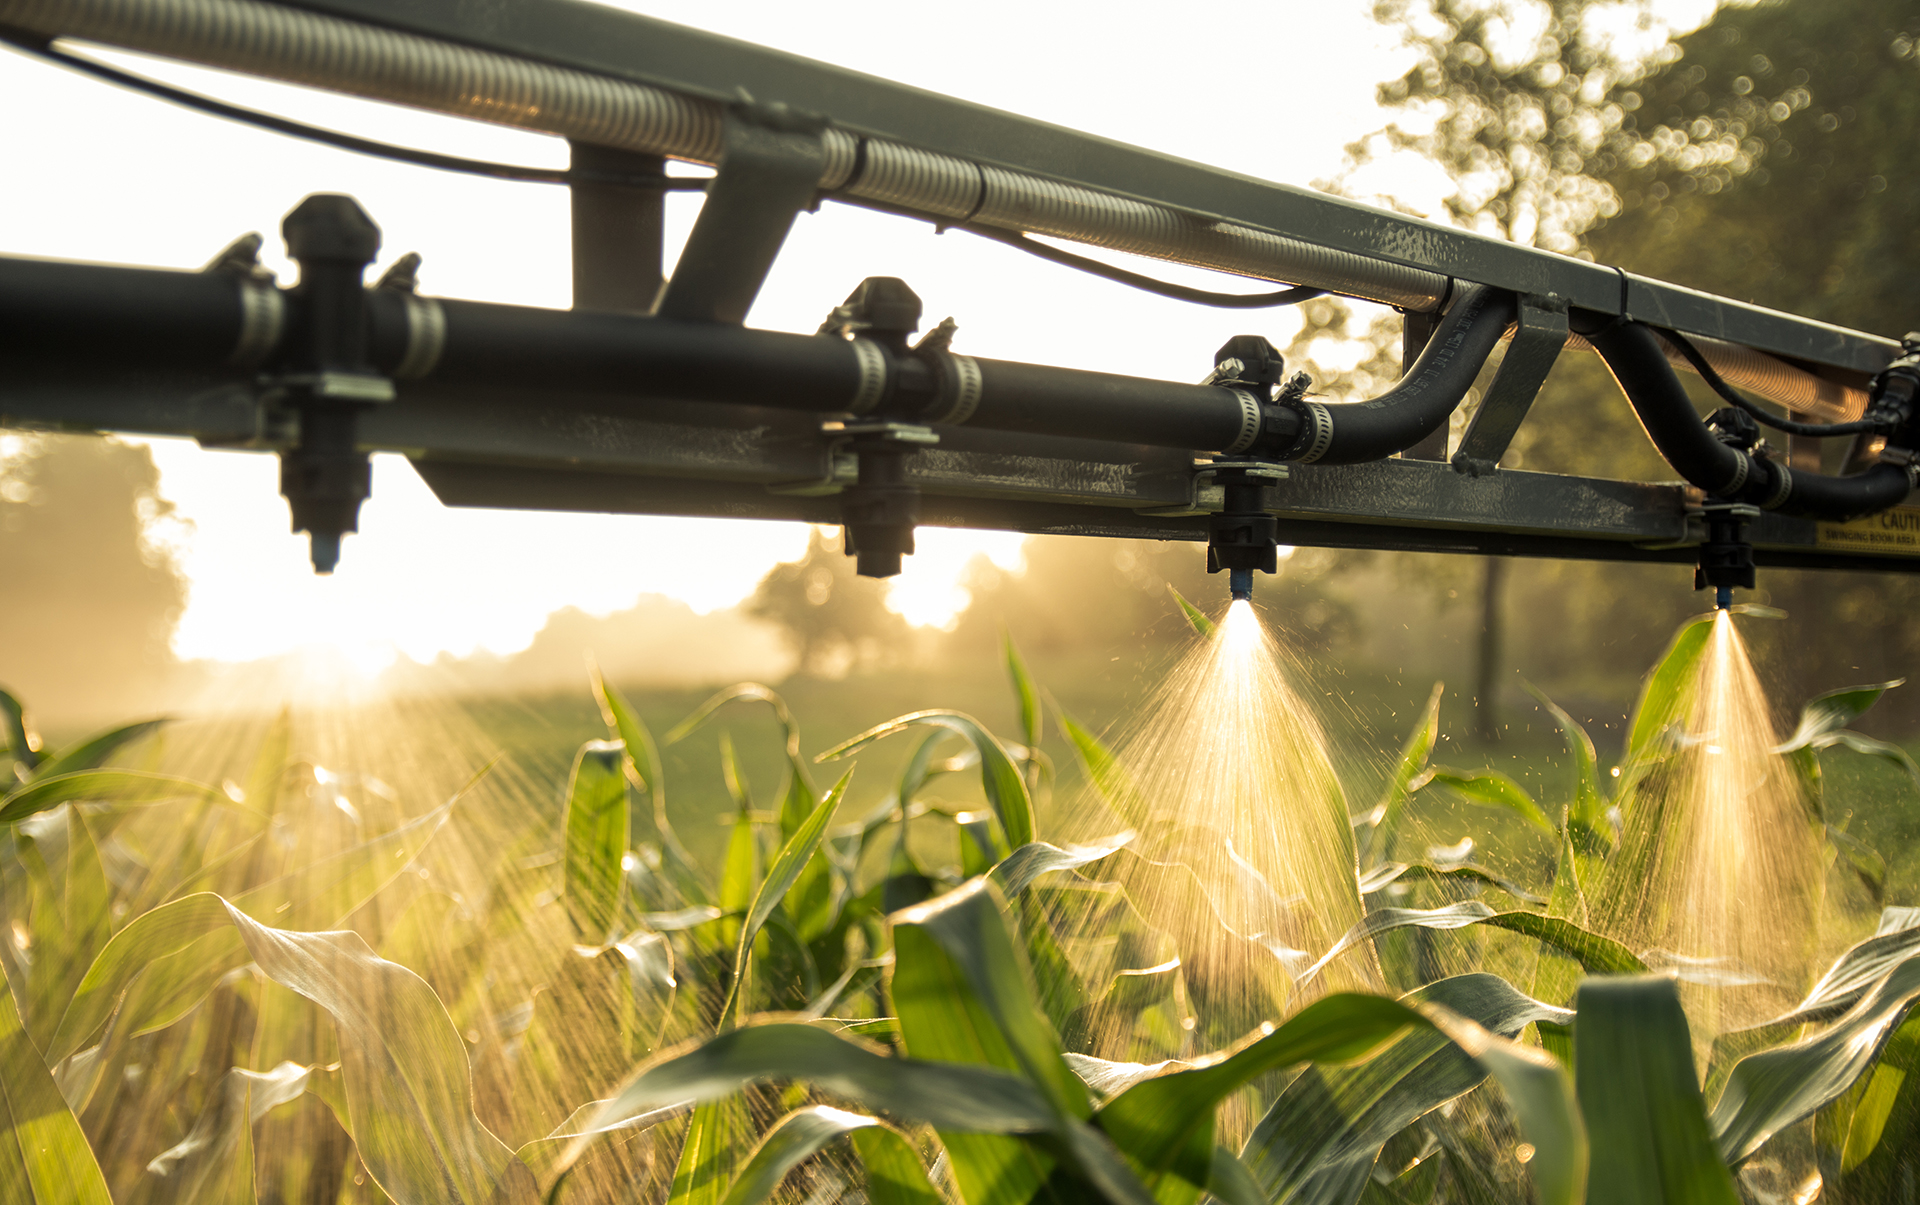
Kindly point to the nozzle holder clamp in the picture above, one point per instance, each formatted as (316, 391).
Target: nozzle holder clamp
(1726, 557)
(1242, 534)
(326, 375)
(879, 511)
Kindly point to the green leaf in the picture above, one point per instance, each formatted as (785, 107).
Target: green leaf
(780, 876)
(1860, 743)
(595, 828)
(963, 993)
(188, 946)
(1166, 1124)
(1633, 1067)
(797, 797)
(1832, 711)
(96, 749)
(895, 1175)
(1402, 783)
(1768, 1091)
(409, 1093)
(793, 1139)
(1385, 874)
(13, 724)
(1601, 955)
(1109, 777)
(214, 1162)
(1668, 690)
(45, 1156)
(1320, 1138)
(1852, 975)
(949, 1096)
(102, 786)
(1490, 788)
(1000, 780)
(1540, 1092)
(1866, 863)
(1588, 807)
(644, 770)
(1032, 714)
(717, 1134)
(1196, 618)
(1017, 871)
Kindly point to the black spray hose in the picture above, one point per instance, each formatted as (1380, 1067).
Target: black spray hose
(1423, 400)
(1640, 366)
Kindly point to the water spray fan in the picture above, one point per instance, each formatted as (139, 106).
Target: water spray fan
(652, 395)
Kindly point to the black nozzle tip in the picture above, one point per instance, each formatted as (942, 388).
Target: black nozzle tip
(324, 546)
(1723, 597)
(1240, 584)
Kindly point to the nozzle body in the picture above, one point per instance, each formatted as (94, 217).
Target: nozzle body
(1240, 584)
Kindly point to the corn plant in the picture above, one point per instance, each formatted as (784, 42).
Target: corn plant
(196, 1012)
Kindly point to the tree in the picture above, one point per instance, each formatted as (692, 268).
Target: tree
(834, 620)
(90, 598)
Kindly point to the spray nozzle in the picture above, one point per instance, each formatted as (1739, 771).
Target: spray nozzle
(1243, 535)
(1726, 558)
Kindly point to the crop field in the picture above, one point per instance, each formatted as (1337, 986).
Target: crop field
(708, 959)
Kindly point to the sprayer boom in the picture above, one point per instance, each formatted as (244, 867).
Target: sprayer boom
(651, 396)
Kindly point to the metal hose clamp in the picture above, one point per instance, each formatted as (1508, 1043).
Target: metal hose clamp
(426, 337)
(872, 363)
(960, 387)
(1250, 422)
(1742, 467)
(263, 315)
(1782, 490)
(1320, 428)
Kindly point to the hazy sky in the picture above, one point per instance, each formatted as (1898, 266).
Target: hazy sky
(1274, 88)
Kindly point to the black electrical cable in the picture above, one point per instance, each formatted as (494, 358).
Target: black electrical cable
(1865, 426)
(1225, 301)
(346, 142)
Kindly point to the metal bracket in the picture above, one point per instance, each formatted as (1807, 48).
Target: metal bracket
(770, 165)
(840, 464)
(1537, 340)
(1205, 498)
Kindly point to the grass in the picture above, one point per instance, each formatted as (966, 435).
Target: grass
(792, 985)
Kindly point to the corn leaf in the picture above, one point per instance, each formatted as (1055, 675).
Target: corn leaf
(793, 1139)
(95, 750)
(1587, 810)
(1386, 874)
(1832, 711)
(963, 994)
(717, 1135)
(189, 945)
(1195, 617)
(108, 786)
(1166, 1123)
(780, 877)
(44, 1156)
(1017, 871)
(214, 1162)
(1770, 1090)
(1404, 781)
(644, 770)
(895, 1175)
(13, 724)
(1668, 690)
(1032, 713)
(1000, 779)
(1320, 1138)
(798, 798)
(1540, 1092)
(1109, 777)
(1601, 955)
(1490, 788)
(1853, 975)
(595, 828)
(1633, 1067)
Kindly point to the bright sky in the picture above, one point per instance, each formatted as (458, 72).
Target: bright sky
(1272, 88)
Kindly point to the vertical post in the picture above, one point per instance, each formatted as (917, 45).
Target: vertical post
(1415, 331)
(617, 230)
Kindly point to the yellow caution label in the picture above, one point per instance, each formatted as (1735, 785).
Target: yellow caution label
(1893, 532)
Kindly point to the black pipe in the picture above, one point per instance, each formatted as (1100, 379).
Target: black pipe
(1666, 412)
(98, 314)
(1422, 401)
